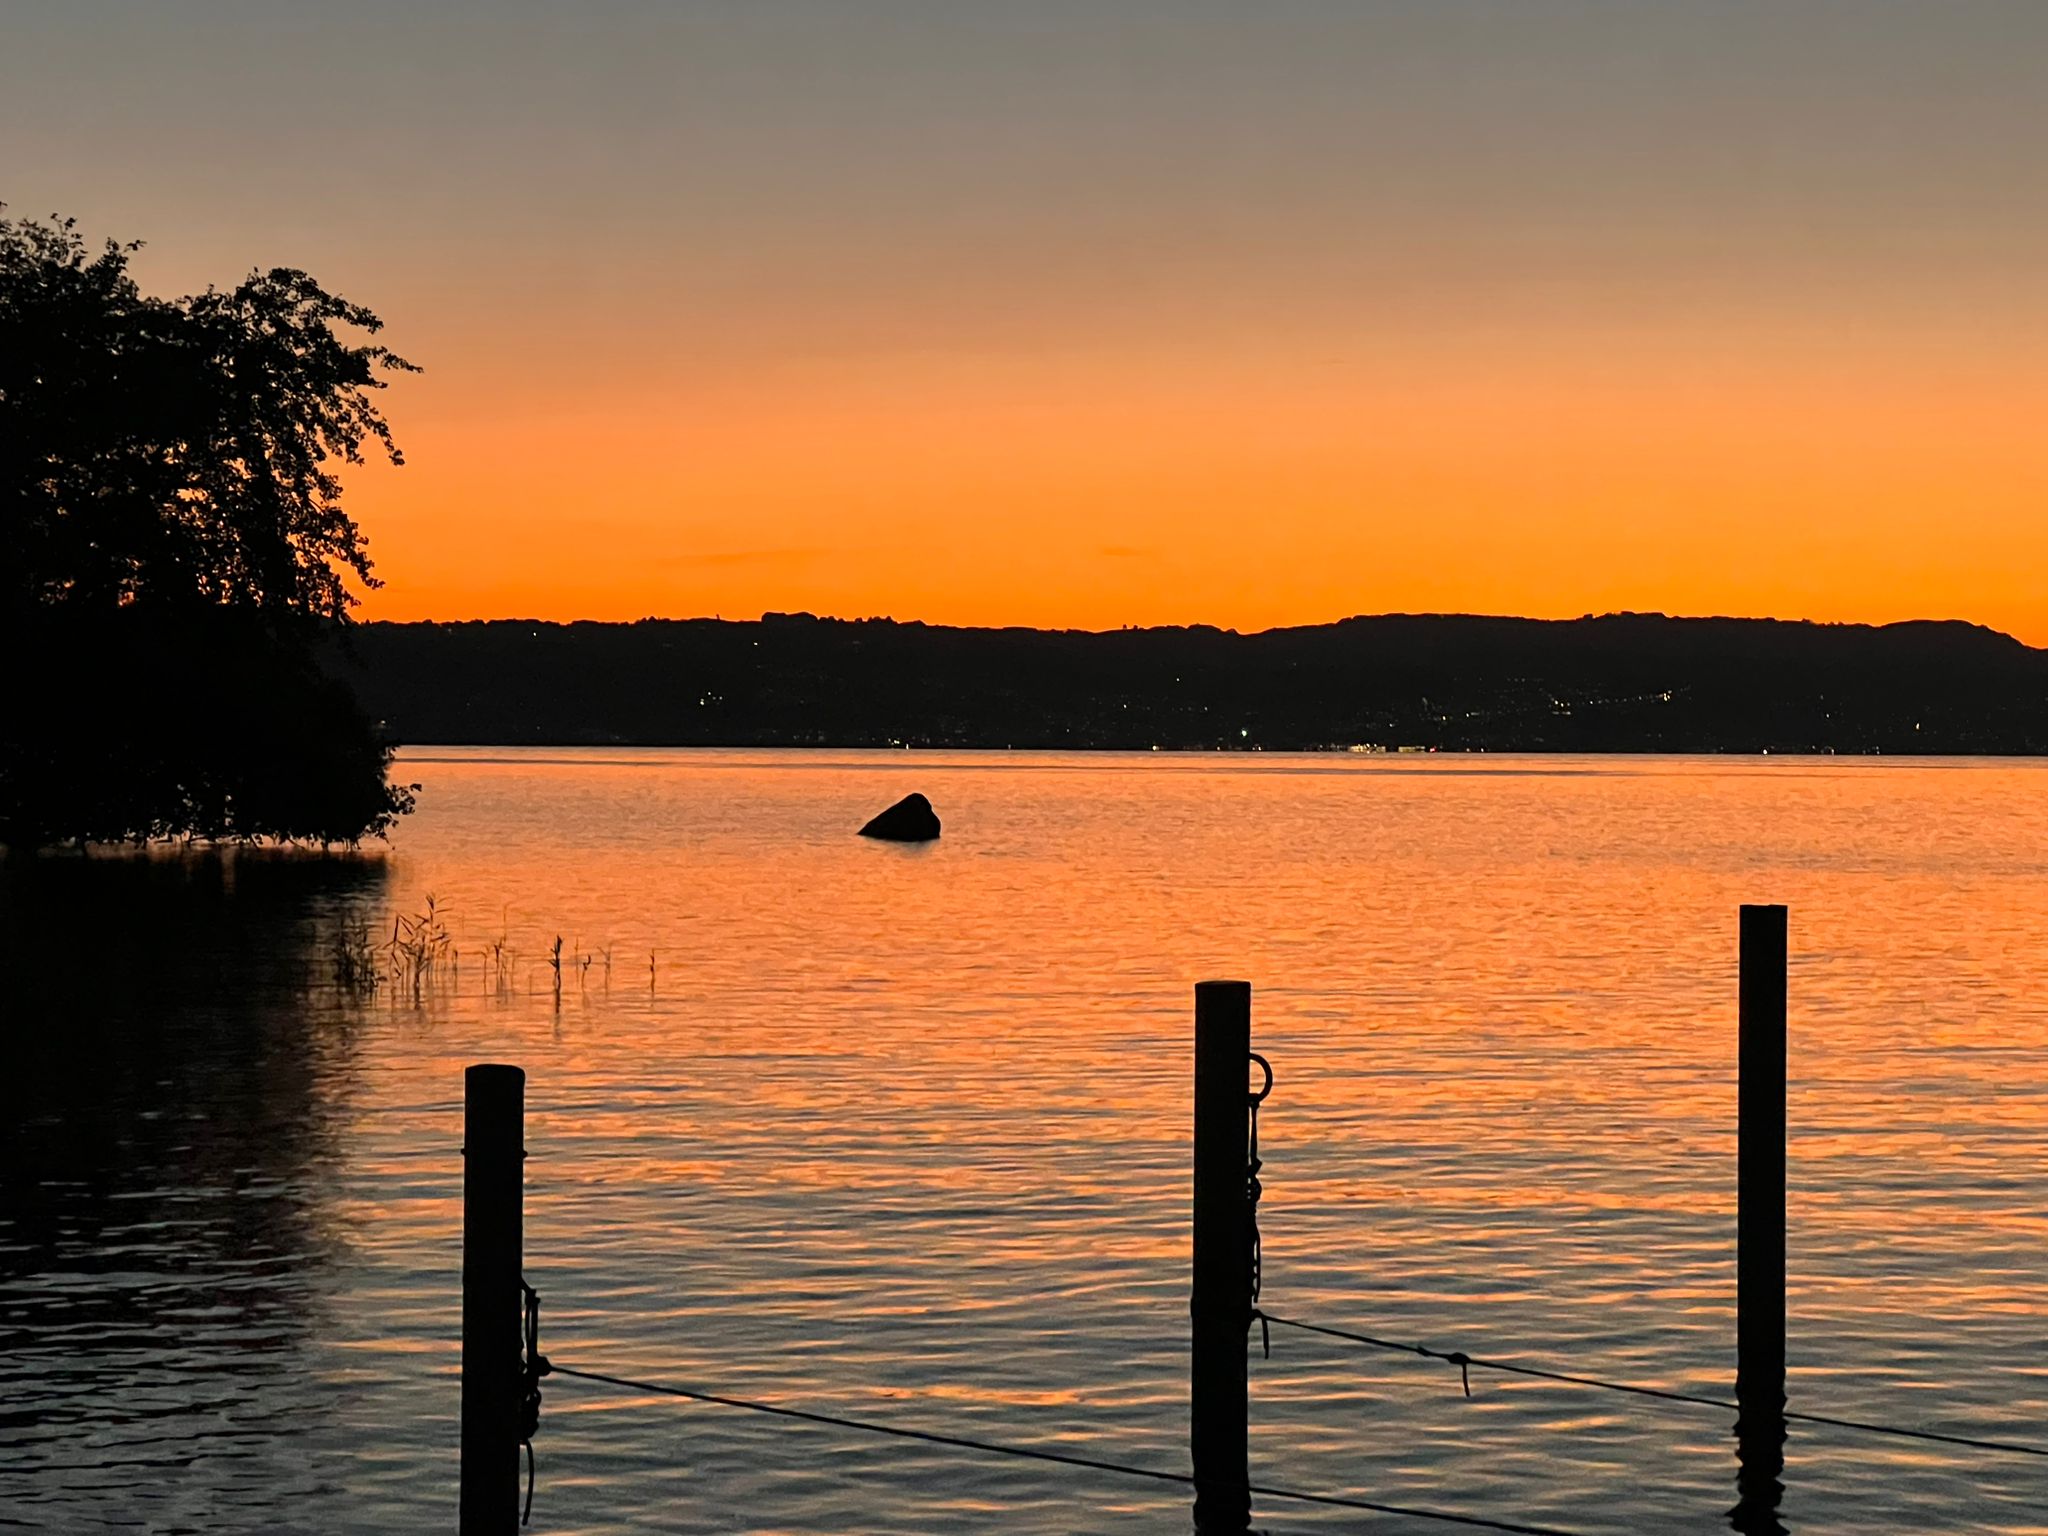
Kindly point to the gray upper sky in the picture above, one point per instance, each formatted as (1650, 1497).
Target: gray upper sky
(895, 168)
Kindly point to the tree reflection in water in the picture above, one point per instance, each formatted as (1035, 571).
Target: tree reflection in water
(166, 1232)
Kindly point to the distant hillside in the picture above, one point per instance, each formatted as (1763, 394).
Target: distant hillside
(1621, 683)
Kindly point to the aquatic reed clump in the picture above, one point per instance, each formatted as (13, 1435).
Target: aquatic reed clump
(419, 958)
(498, 964)
(354, 959)
(420, 949)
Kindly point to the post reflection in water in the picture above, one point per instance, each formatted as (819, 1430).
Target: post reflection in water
(1759, 1480)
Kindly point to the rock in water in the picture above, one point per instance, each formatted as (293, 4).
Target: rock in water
(909, 820)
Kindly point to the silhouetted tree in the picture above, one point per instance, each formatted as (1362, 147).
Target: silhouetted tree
(172, 545)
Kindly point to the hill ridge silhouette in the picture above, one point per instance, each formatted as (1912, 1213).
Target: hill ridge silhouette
(1616, 682)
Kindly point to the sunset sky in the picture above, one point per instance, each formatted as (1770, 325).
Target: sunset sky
(1103, 313)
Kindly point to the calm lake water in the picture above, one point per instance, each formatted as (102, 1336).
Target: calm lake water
(902, 1132)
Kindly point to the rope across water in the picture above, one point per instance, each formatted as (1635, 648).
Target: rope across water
(1467, 1363)
(1031, 1453)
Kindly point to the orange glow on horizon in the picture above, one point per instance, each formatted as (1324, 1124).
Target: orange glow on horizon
(1246, 486)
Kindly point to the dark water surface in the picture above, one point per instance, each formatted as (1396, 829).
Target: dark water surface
(903, 1132)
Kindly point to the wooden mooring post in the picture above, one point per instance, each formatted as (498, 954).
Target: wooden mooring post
(493, 1179)
(1221, 1304)
(1760, 1224)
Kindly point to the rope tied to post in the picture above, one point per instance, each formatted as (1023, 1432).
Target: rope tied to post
(1457, 1357)
(532, 1366)
(1254, 1258)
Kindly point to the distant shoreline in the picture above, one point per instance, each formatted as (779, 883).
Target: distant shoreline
(1635, 684)
(420, 750)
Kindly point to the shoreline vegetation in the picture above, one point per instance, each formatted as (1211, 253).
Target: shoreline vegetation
(175, 548)
(1617, 683)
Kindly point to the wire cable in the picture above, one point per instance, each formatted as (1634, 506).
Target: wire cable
(1062, 1458)
(1464, 1361)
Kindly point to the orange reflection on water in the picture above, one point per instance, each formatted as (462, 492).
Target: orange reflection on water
(905, 1131)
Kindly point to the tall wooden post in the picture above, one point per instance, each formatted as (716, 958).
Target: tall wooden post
(1760, 1225)
(1221, 1306)
(493, 1150)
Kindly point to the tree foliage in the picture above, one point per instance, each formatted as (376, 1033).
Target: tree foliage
(172, 452)
(172, 543)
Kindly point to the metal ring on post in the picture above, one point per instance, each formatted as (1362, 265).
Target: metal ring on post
(1266, 1067)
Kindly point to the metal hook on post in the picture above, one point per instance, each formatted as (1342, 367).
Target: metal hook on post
(533, 1366)
(1253, 1188)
